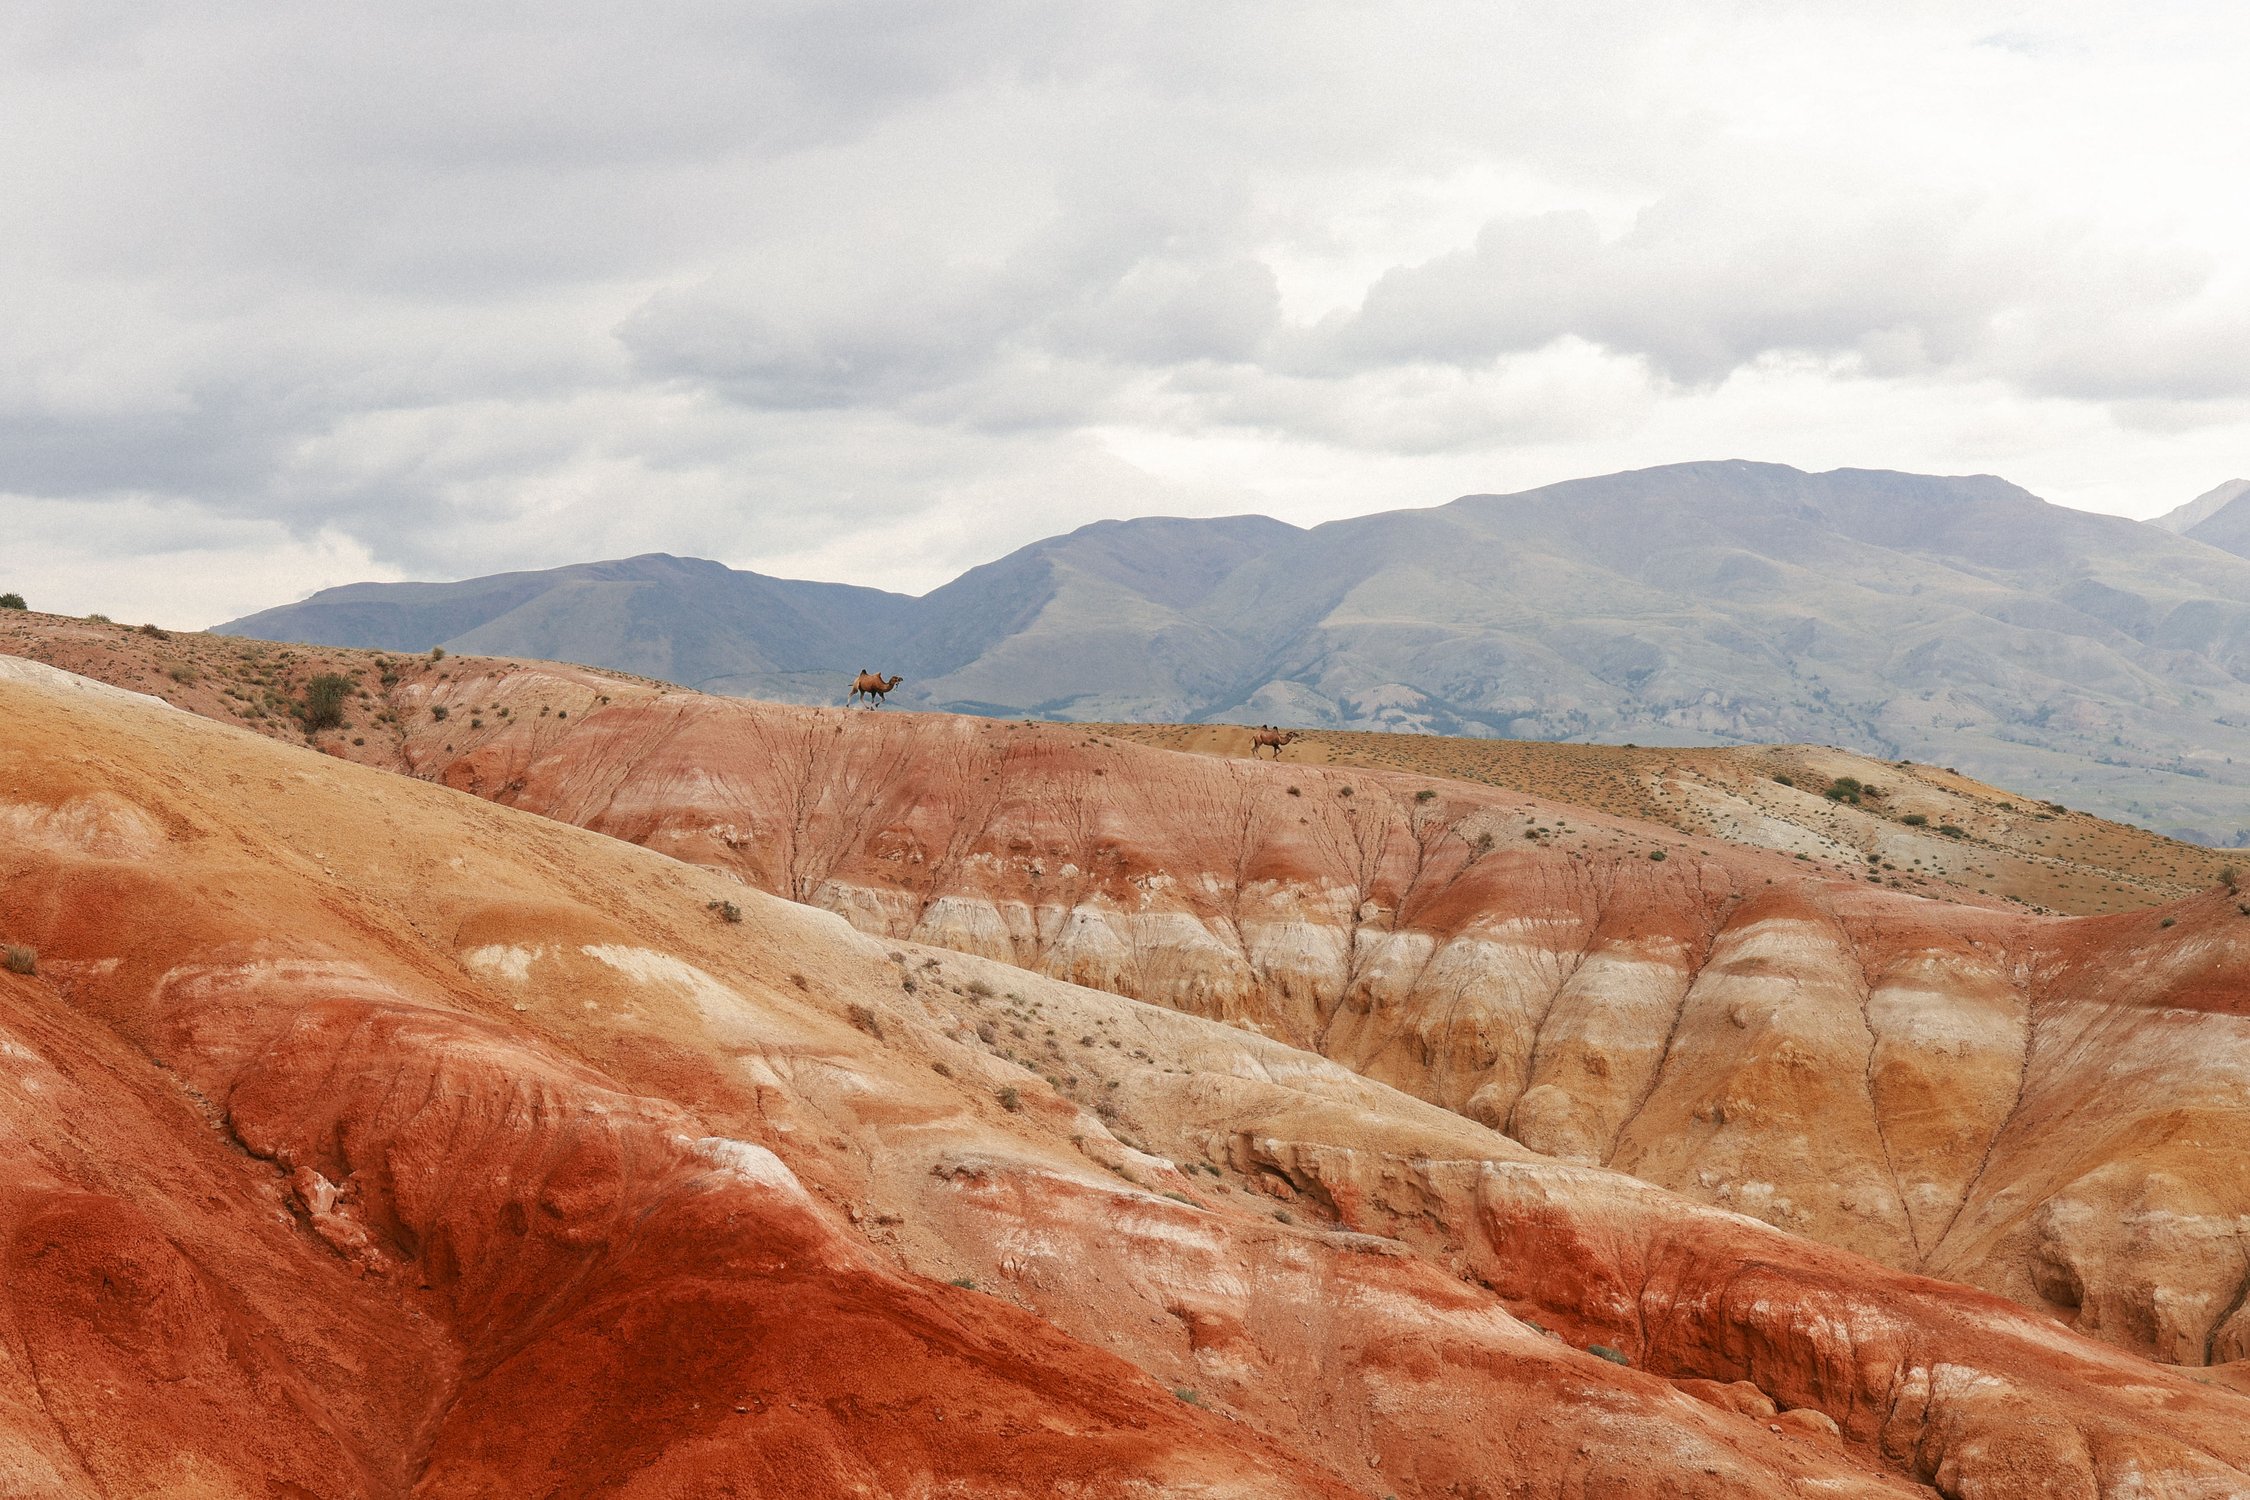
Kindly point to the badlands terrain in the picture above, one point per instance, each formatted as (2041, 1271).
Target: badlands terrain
(601, 1088)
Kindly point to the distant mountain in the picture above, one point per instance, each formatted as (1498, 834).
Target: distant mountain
(2219, 519)
(1960, 621)
(2203, 507)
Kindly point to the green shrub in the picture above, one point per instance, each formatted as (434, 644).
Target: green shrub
(17, 959)
(325, 697)
(1603, 1351)
(727, 910)
(1786, 780)
(1009, 1099)
(1953, 830)
(12, 601)
(1657, 855)
(439, 711)
(1916, 820)
(437, 653)
(1844, 789)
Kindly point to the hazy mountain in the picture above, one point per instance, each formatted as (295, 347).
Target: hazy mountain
(2203, 507)
(1962, 621)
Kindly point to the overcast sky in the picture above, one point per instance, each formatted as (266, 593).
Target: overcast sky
(297, 295)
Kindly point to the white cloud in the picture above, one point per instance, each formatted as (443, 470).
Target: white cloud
(878, 291)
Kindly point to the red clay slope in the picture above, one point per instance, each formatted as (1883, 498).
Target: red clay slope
(619, 1167)
(2051, 1109)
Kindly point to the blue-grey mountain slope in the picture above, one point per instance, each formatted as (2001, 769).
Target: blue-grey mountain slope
(1957, 620)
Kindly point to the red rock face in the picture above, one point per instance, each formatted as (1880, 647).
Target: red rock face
(375, 1140)
(2045, 1108)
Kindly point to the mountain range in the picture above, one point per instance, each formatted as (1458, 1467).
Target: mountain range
(1956, 620)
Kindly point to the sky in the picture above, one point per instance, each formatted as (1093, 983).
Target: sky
(295, 296)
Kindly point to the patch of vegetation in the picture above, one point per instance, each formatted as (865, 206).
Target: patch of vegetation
(1916, 820)
(99, 620)
(1953, 830)
(2230, 877)
(437, 653)
(17, 959)
(1604, 1351)
(1425, 795)
(2168, 921)
(1786, 780)
(1658, 855)
(182, 674)
(1009, 1099)
(156, 632)
(864, 1017)
(1845, 789)
(439, 711)
(727, 910)
(1187, 1394)
(12, 601)
(965, 1283)
(325, 697)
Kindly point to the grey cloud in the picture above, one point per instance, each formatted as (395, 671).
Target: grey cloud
(467, 285)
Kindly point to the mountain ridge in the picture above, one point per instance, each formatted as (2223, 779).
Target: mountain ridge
(1957, 620)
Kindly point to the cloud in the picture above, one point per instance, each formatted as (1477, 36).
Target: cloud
(883, 289)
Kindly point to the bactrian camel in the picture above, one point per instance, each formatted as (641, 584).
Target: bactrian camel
(1267, 736)
(872, 685)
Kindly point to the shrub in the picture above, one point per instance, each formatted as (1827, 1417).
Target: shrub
(181, 674)
(1187, 1394)
(1953, 830)
(1009, 1099)
(324, 701)
(99, 620)
(439, 711)
(1425, 795)
(2229, 877)
(17, 959)
(1916, 820)
(1844, 789)
(1657, 855)
(978, 988)
(156, 632)
(1603, 1351)
(12, 601)
(965, 1283)
(865, 1019)
(727, 910)
(1786, 780)
(2168, 921)
(437, 653)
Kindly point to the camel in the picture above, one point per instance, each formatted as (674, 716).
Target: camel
(1268, 735)
(872, 685)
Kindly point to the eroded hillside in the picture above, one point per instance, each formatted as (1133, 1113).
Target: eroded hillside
(365, 1139)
